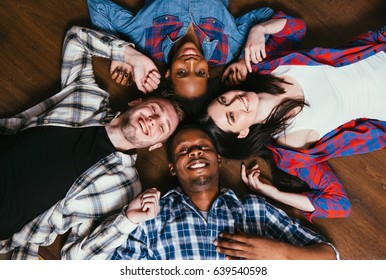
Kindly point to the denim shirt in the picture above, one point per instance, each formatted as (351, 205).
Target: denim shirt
(160, 23)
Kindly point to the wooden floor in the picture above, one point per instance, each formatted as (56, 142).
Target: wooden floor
(31, 34)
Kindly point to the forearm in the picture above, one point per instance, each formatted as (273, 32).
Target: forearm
(271, 26)
(102, 241)
(80, 45)
(297, 200)
(319, 251)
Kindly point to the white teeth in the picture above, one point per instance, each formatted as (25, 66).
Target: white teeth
(144, 129)
(245, 102)
(197, 165)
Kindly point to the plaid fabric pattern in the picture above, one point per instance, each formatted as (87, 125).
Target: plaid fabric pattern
(163, 27)
(104, 188)
(168, 27)
(210, 30)
(360, 47)
(181, 232)
(356, 137)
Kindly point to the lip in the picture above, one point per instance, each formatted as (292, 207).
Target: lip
(143, 126)
(197, 164)
(245, 101)
(189, 52)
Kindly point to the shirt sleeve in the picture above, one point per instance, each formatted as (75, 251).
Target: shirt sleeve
(102, 241)
(279, 226)
(136, 247)
(80, 44)
(327, 194)
(290, 37)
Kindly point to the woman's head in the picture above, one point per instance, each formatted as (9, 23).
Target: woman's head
(231, 117)
(234, 111)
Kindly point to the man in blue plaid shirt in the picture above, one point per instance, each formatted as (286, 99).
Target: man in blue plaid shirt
(201, 220)
(68, 162)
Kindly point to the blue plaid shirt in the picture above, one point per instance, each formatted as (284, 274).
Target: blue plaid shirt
(181, 232)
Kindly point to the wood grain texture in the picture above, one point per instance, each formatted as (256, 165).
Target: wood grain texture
(31, 34)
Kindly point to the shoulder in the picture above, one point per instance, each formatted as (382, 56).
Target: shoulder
(301, 139)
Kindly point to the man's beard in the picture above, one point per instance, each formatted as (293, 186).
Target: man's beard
(128, 130)
(202, 181)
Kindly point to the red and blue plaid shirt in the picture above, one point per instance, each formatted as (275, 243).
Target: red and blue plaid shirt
(208, 29)
(355, 137)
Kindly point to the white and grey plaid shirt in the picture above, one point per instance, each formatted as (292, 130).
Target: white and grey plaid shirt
(105, 187)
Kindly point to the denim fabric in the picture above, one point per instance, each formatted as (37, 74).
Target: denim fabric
(168, 16)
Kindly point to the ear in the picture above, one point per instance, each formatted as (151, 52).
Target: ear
(155, 146)
(219, 160)
(243, 133)
(171, 169)
(135, 102)
(167, 74)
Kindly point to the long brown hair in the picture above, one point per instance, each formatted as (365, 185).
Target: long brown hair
(260, 135)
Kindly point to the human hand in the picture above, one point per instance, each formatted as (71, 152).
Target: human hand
(121, 72)
(235, 73)
(144, 207)
(251, 178)
(249, 247)
(255, 46)
(146, 74)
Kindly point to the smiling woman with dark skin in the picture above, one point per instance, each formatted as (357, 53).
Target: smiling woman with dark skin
(186, 38)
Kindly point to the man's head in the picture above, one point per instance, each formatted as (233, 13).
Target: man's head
(150, 122)
(189, 71)
(194, 160)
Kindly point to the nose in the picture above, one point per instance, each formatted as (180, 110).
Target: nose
(152, 120)
(195, 152)
(191, 61)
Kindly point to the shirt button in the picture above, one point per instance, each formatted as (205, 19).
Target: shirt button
(214, 21)
(166, 17)
(45, 121)
(185, 27)
(75, 125)
(207, 39)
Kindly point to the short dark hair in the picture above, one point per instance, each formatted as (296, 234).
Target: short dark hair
(181, 127)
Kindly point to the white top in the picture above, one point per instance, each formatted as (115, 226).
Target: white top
(337, 95)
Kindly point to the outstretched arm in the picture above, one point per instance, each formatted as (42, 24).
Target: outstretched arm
(114, 231)
(253, 247)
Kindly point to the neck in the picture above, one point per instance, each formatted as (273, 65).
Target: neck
(204, 199)
(190, 36)
(116, 137)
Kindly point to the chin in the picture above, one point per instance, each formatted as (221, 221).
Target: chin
(202, 181)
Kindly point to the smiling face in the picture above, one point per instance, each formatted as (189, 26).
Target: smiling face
(189, 71)
(195, 161)
(149, 123)
(234, 111)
